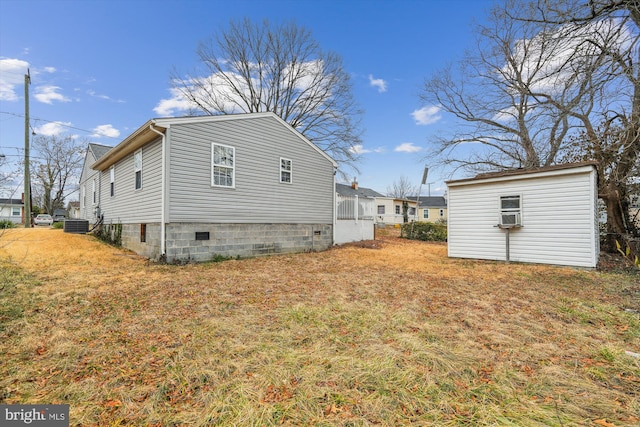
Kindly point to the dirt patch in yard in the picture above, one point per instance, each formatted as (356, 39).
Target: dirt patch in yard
(386, 332)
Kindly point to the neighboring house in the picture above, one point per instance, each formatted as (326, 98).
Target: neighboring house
(12, 210)
(355, 213)
(546, 215)
(389, 210)
(73, 208)
(431, 208)
(230, 185)
(90, 181)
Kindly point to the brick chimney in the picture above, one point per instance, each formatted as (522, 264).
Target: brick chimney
(354, 184)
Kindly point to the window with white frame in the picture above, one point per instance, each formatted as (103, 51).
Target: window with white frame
(397, 209)
(15, 211)
(137, 168)
(223, 169)
(93, 191)
(412, 211)
(425, 214)
(510, 210)
(285, 170)
(380, 209)
(112, 181)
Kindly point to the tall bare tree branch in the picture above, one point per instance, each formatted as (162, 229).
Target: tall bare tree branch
(253, 67)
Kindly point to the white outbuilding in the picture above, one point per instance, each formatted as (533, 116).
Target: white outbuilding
(547, 216)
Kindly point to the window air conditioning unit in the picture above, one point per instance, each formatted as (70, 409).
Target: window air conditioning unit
(510, 219)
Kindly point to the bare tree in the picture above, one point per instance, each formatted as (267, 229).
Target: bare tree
(56, 165)
(402, 188)
(536, 85)
(279, 68)
(614, 140)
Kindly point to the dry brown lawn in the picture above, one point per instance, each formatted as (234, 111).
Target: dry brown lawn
(391, 333)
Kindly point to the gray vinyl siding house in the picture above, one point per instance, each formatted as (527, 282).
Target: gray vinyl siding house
(549, 215)
(233, 185)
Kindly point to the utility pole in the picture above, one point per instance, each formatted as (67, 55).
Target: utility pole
(27, 175)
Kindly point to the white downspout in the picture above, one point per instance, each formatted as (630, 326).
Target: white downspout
(162, 191)
(335, 206)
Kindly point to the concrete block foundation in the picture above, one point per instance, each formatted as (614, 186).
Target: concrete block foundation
(202, 242)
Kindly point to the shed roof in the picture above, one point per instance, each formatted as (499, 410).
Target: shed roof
(516, 173)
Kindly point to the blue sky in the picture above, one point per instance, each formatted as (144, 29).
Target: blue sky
(100, 69)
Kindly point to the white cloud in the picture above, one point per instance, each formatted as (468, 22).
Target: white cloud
(52, 128)
(407, 147)
(48, 94)
(105, 130)
(12, 73)
(49, 69)
(93, 93)
(226, 96)
(379, 83)
(359, 149)
(174, 105)
(427, 115)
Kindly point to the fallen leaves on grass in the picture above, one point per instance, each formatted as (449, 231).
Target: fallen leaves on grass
(393, 336)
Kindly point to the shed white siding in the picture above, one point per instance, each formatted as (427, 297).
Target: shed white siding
(559, 219)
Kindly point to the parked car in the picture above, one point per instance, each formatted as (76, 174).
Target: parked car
(59, 215)
(43, 219)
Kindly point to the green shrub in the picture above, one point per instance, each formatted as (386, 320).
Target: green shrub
(59, 224)
(5, 223)
(426, 231)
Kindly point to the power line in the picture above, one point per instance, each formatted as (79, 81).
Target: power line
(36, 119)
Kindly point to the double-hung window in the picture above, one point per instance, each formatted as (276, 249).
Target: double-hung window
(137, 168)
(112, 181)
(285, 170)
(223, 165)
(15, 211)
(397, 209)
(425, 213)
(510, 210)
(380, 209)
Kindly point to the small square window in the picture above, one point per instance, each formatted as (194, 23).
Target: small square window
(510, 210)
(15, 211)
(285, 170)
(380, 209)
